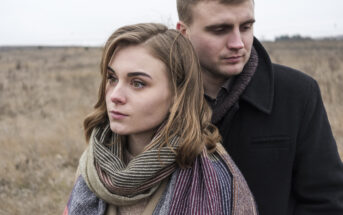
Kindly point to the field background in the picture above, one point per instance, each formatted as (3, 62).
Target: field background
(46, 92)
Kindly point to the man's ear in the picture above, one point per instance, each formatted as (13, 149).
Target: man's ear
(182, 27)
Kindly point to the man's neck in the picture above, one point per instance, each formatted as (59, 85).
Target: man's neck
(212, 83)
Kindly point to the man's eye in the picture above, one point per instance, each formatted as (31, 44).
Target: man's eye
(247, 27)
(219, 30)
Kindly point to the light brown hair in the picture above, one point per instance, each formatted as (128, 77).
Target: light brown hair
(184, 8)
(189, 116)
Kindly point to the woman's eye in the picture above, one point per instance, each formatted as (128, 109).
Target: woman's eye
(111, 79)
(138, 84)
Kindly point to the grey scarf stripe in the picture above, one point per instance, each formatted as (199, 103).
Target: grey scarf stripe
(137, 166)
(140, 174)
(111, 162)
(131, 186)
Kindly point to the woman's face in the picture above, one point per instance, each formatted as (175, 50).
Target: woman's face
(138, 96)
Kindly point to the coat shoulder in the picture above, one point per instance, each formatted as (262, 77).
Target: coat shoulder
(290, 81)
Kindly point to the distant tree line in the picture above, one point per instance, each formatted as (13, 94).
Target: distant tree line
(294, 37)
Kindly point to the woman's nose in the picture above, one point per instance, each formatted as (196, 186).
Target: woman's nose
(118, 95)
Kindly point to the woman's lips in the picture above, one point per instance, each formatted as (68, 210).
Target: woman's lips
(117, 115)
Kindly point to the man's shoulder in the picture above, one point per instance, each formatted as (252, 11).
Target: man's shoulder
(280, 75)
(283, 71)
(293, 80)
(289, 71)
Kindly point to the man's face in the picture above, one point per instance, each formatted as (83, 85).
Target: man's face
(222, 36)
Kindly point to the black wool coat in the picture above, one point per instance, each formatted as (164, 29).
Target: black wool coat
(280, 138)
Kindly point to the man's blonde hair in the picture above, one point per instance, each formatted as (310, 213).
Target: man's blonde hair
(184, 8)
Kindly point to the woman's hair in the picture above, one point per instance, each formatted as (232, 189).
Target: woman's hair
(190, 116)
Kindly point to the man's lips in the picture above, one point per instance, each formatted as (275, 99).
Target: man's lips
(117, 115)
(232, 59)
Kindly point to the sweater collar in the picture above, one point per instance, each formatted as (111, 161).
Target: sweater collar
(260, 91)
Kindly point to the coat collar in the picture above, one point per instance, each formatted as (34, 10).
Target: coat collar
(260, 91)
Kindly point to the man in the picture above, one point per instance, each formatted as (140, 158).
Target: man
(272, 118)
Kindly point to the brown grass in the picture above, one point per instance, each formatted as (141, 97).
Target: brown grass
(46, 92)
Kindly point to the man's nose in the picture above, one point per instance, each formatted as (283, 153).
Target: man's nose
(234, 40)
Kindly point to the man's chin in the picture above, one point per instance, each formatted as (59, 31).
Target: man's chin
(231, 71)
(224, 71)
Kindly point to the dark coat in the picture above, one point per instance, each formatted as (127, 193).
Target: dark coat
(281, 140)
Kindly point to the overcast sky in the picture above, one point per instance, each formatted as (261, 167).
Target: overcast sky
(90, 22)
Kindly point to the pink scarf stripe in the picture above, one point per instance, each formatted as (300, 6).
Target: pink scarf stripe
(211, 183)
(198, 190)
(180, 190)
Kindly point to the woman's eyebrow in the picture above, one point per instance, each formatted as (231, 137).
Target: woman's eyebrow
(132, 74)
(112, 70)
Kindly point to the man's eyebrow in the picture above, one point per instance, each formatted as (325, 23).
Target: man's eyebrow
(250, 21)
(225, 25)
(222, 25)
(132, 74)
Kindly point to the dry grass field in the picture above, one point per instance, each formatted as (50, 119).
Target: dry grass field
(46, 92)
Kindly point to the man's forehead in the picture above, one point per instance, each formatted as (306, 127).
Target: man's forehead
(216, 13)
(224, 2)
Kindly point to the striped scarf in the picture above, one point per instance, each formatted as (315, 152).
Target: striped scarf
(213, 185)
(144, 172)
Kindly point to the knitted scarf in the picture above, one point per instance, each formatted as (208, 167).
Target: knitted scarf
(213, 185)
(239, 85)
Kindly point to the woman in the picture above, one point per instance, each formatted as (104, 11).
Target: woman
(151, 146)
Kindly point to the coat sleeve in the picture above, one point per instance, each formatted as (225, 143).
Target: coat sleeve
(318, 169)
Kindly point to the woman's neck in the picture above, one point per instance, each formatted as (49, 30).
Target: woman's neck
(137, 142)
